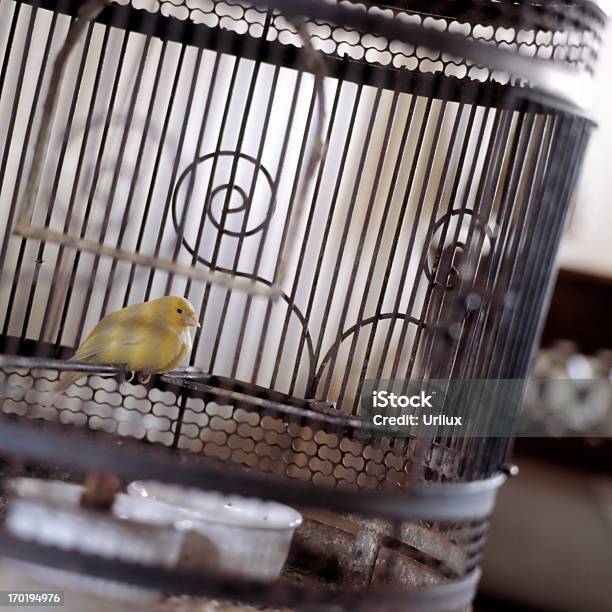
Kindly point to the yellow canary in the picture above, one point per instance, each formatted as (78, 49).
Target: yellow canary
(148, 338)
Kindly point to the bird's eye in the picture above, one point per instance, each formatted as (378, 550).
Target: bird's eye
(179, 310)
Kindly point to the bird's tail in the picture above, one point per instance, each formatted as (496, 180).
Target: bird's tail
(66, 379)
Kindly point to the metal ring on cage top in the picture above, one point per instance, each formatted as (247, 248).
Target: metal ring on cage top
(549, 77)
(546, 81)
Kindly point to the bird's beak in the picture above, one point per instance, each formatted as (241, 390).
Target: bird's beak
(191, 321)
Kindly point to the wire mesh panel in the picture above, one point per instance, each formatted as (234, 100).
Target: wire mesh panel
(345, 191)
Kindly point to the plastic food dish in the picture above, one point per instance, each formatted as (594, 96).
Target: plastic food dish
(49, 512)
(251, 537)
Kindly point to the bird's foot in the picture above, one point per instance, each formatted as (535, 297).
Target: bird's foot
(143, 378)
(128, 378)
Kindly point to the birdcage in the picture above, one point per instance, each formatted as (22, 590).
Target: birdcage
(346, 192)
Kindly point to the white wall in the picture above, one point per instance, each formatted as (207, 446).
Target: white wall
(587, 245)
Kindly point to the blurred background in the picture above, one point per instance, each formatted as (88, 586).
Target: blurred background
(550, 544)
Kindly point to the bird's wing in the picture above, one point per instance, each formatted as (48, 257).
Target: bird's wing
(96, 349)
(108, 336)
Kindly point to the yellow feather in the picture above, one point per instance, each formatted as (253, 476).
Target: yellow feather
(148, 338)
